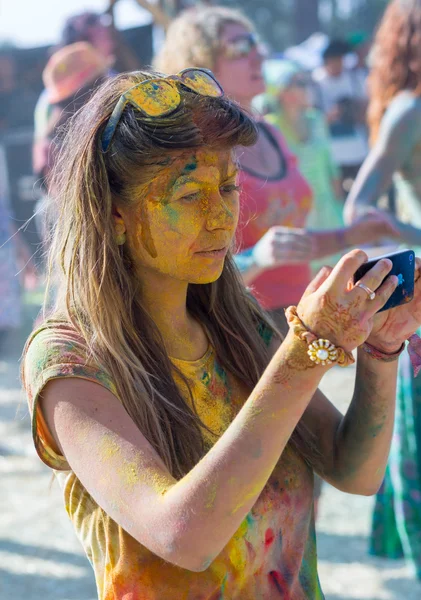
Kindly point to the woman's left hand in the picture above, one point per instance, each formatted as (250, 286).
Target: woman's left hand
(392, 327)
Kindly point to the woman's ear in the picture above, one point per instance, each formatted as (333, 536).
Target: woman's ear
(119, 226)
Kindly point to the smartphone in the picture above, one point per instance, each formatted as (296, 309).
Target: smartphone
(404, 269)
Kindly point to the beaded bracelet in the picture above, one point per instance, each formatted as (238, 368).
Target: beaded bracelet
(320, 351)
(380, 355)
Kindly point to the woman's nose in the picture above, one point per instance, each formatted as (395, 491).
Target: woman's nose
(220, 215)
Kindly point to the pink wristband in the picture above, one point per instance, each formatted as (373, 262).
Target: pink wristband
(379, 355)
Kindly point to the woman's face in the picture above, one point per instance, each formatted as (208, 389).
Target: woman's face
(239, 64)
(297, 93)
(184, 222)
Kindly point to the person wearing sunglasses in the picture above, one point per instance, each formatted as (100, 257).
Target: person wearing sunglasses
(183, 430)
(288, 96)
(275, 244)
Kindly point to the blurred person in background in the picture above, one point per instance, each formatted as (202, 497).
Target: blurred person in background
(275, 247)
(90, 27)
(275, 197)
(340, 96)
(17, 269)
(13, 114)
(395, 127)
(10, 288)
(360, 44)
(288, 90)
(182, 429)
(70, 77)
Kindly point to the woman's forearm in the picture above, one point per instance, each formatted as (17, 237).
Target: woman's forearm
(409, 234)
(364, 435)
(215, 497)
(331, 241)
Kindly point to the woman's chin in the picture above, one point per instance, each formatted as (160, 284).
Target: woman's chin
(206, 276)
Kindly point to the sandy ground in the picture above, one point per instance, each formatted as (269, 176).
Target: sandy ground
(41, 559)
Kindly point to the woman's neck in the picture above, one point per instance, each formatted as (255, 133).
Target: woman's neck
(165, 300)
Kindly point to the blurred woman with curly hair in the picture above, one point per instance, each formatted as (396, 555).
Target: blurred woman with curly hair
(395, 124)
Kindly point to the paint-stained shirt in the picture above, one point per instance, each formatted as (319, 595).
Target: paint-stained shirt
(285, 200)
(273, 553)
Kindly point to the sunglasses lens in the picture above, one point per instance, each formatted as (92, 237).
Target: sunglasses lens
(242, 46)
(201, 83)
(155, 98)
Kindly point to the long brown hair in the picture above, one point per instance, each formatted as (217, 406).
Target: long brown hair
(396, 58)
(97, 290)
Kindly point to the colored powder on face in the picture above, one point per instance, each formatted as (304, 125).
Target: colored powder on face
(145, 231)
(173, 215)
(191, 166)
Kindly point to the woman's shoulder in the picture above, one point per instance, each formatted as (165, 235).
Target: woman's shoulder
(55, 337)
(403, 116)
(404, 104)
(57, 349)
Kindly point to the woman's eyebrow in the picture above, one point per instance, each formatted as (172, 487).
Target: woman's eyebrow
(233, 174)
(182, 179)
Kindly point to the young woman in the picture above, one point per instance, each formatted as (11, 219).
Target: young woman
(395, 123)
(305, 130)
(184, 433)
(276, 248)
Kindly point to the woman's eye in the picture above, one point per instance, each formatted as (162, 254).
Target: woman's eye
(190, 197)
(230, 188)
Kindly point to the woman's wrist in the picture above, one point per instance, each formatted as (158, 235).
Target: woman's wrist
(384, 353)
(320, 351)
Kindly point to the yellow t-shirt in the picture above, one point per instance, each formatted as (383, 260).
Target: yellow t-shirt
(273, 553)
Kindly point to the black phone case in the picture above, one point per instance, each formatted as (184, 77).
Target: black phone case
(404, 268)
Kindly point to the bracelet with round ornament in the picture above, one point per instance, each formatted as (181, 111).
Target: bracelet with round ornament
(379, 354)
(320, 351)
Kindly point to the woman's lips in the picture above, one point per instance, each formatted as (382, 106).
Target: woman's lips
(220, 253)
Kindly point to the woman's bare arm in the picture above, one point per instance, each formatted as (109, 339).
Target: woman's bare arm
(186, 522)
(354, 447)
(400, 131)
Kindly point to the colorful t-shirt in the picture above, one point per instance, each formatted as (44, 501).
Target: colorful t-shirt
(273, 553)
(266, 202)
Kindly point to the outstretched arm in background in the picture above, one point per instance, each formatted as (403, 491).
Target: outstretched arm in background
(400, 132)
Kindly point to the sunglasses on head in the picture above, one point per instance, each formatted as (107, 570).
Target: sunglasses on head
(159, 97)
(241, 46)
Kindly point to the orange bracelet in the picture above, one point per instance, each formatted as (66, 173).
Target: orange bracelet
(320, 351)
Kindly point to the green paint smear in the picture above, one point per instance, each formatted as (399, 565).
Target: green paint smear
(191, 166)
(173, 214)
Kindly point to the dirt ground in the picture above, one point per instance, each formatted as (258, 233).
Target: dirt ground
(41, 559)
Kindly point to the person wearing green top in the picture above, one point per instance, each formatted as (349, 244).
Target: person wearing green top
(289, 103)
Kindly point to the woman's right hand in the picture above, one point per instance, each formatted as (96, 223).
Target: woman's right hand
(283, 246)
(335, 309)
